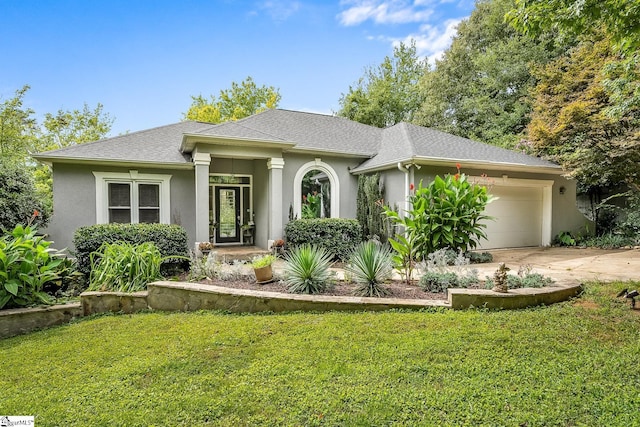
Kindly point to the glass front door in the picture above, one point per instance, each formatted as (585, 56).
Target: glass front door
(227, 214)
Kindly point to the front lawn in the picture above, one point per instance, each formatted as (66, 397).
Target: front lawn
(571, 364)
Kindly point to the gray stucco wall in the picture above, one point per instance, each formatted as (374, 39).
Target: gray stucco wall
(348, 182)
(565, 213)
(74, 199)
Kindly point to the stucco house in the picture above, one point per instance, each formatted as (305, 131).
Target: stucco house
(239, 182)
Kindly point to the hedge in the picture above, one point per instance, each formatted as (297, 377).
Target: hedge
(170, 239)
(338, 236)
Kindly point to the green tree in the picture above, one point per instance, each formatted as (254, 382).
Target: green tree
(17, 129)
(570, 124)
(67, 128)
(386, 94)
(241, 100)
(64, 129)
(572, 18)
(618, 19)
(20, 203)
(480, 88)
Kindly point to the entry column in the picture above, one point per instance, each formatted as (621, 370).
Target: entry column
(275, 166)
(202, 162)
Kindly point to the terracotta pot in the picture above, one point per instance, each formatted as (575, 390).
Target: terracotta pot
(264, 274)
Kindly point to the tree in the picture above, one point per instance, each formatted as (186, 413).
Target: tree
(570, 124)
(387, 94)
(572, 18)
(618, 19)
(17, 129)
(241, 100)
(480, 88)
(67, 128)
(19, 201)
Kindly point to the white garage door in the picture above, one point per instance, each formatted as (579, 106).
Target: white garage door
(518, 218)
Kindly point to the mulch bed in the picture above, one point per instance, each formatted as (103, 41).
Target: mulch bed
(396, 289)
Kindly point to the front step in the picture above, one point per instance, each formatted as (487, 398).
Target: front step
(228, 254)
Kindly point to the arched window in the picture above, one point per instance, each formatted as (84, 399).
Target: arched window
(316, 191)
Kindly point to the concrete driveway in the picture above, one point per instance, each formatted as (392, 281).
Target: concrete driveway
(569, 263)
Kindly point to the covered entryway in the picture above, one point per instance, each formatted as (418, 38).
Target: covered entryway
(231, 210)
(522, 213)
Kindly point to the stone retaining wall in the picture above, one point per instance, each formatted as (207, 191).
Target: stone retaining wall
(24, 320)
(113, 302)
(180, 296)
(514, 299)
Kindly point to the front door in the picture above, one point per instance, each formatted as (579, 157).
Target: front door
(227, 216)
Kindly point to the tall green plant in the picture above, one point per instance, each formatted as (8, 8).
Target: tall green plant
(306, 269)
(448, 213)
(369, 208)
(26, 264)
(124, 267)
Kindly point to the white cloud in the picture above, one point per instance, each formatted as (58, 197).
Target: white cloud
(431, 41)
(279, 10)
(384, 12)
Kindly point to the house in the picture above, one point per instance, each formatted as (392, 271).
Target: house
(239, 182)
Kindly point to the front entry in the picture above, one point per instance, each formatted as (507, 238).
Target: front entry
(227, 214)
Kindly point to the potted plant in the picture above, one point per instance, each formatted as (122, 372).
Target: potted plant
(205, 247)
(278, 247)
(262, 268)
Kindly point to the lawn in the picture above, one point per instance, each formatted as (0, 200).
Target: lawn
(571, 364)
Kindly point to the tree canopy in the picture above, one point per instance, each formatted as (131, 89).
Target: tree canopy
(480, 87)
(241, 100)
(387, 94)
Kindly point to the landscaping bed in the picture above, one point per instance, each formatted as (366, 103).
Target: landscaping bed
(397, 289)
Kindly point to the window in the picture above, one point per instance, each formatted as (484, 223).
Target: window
(321, 181)
(132, 198)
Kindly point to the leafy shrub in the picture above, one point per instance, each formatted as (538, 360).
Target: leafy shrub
(306, 269)
(479, 257)
(202, 267)
(19, 199)
(124, 267)
(27, 264)
(524, 279)
(564, 238)
(448, 213)
(432, 281)
(609, 241)
(370, 265)
(171, 240)
(338, 236)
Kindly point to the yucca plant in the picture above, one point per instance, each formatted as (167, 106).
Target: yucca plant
(371, 265)
(306, 270)
(124, 267)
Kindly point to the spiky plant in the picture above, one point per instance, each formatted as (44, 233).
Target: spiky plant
(306, 270)
(371, 265)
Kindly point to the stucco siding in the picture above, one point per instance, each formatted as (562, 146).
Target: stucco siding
(74, 201)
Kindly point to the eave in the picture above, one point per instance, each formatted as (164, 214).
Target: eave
(471, 164)
(189, 141)
(49, 160)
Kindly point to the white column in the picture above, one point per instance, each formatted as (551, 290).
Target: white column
(276, 230)
(202, 162)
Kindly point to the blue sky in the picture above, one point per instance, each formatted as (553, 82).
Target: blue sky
(143, 59)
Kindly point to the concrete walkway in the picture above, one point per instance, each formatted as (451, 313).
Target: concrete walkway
(569, 263)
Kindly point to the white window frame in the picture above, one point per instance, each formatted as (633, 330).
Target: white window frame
(103, 179)
(317, 164)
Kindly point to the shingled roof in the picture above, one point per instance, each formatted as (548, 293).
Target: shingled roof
(299, 131)
(405, 142)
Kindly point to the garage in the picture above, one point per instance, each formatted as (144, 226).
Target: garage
(522, 216)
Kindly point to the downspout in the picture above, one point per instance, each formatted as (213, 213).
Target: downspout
(406, 188)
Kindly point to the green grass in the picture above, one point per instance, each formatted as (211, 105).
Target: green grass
(571, 364)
